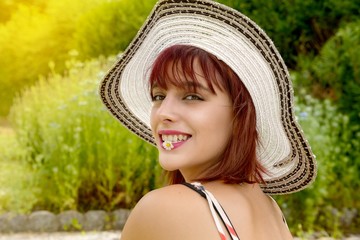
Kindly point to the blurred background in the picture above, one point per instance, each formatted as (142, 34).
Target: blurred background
(61, 150)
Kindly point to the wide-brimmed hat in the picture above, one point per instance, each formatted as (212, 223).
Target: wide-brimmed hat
(240, 43)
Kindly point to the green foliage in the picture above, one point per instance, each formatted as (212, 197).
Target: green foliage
(81, 157)
(34, 32)
(335, 72)
(46, 31)
(325, 206)
(15, 190)
(8, 7)
(5, 10)
(333, 129)
(34, 36)
(74, 224)
(109, 28)
(298, 26)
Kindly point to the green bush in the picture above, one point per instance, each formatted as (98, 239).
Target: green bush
(16, 194)
(298, 26)
(34, 32)
(109, 28)
(8, 7)
(326, 205)
(34, 36)
(333, 128)
(82, 158)
(47, 31)
(335, 72)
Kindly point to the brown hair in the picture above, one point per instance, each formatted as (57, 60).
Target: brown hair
(239, 163)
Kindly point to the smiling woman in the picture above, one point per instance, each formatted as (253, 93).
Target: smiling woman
(182, 104)
(207, 87)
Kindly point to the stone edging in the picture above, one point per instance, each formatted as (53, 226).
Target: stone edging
(45, 221)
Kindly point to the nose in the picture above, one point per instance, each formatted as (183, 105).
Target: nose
(167, 109)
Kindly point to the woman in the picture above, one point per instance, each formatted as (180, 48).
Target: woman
(207, 87)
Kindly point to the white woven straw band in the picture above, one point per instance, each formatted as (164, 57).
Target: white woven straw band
(240, 43)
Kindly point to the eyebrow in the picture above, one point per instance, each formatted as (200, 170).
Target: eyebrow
(189, 85)
(197, 85)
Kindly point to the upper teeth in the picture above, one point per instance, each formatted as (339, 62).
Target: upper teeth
(174, 138)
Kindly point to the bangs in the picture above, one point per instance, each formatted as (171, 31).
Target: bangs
(176, 66)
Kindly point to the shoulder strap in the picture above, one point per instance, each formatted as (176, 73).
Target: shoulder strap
(282, 214)
(196, 189)
(217, 211)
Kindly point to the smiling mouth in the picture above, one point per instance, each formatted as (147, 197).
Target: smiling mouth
(172, 141)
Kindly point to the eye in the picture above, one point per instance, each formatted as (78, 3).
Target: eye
(157, 97)
(193, 97)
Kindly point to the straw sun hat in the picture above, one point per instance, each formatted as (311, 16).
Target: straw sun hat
(241, 44)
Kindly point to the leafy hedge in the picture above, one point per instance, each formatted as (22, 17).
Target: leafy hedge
(298, 27)
(335, 72)
(330, 204)
(50, 30)
(33, 37)
(332, 124)
(82, 158)
(109, 28)
(34, 32)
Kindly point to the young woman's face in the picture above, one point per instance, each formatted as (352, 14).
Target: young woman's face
(191, 129)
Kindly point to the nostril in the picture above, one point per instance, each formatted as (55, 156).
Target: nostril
(167, 120)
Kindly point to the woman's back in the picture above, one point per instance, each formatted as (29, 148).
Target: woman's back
(177, 212)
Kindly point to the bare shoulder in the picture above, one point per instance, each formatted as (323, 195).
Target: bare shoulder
(165, 213)
(172, 192)
(167, 198)
(254, 214)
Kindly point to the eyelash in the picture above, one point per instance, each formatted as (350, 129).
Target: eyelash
(193, 97)
(190, 97)
(157, 97)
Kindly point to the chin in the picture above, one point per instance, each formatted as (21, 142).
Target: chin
(167, 165)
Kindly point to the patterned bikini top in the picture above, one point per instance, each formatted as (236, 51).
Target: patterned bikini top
(217, 211)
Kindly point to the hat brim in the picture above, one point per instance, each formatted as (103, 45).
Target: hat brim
(240, 43)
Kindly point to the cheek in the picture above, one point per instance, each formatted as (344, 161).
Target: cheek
(219, 131)
(224, 130)
(153, 121)
(221, 122)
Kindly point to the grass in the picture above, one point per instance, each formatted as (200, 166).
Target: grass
(16, 194)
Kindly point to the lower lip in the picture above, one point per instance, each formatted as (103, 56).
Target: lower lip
(176, 145)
